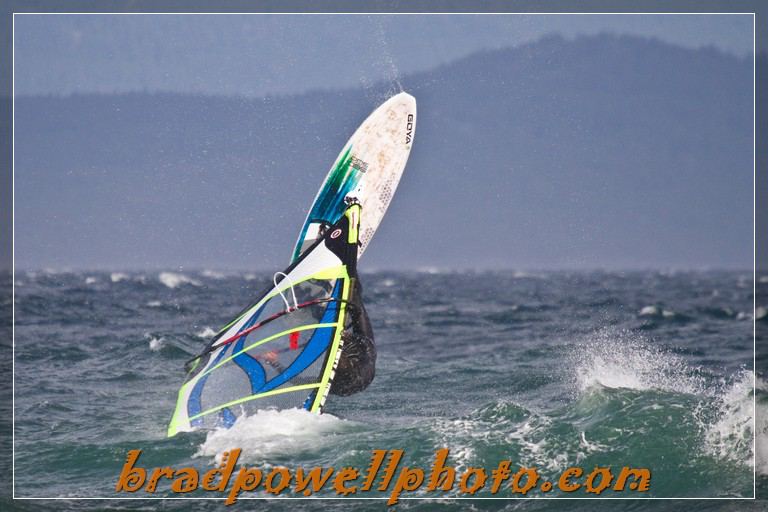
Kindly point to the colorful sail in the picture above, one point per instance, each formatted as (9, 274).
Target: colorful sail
(281, 351)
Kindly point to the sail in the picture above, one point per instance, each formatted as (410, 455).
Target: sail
(281, 351)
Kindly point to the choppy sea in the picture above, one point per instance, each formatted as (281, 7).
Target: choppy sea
(551, 370)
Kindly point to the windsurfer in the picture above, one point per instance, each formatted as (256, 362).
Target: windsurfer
(357, 362)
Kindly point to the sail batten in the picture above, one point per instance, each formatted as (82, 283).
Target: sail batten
(255, 397)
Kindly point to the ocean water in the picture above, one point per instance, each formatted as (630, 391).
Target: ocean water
(551, 370)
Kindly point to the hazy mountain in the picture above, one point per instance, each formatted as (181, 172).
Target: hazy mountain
(599, 152)
(260, 54)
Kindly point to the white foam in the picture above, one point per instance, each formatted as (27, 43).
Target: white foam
(91, 280)
(155, 344)
(116, 277)
(730, 436)
(461, 435)
(154, 304)
(656, 311)
(174, 279)
(206, 332)
(532, 443)
(530, 434)
(270, 432)
(213, 274)
(622, 359)
(590, 446)
(760, 313)
(763, 279)
(761, 422)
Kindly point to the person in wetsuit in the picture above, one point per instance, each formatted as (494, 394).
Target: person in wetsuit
(357, 362)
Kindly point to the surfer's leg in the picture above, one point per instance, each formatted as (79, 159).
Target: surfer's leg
(357, 363)
(362, 324)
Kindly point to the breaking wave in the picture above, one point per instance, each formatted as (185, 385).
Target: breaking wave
(175, 279)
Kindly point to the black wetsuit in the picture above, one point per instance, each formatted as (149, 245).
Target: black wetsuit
(357, 363)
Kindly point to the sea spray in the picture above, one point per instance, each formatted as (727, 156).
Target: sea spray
(730, 434)
(270, 432)
(616, 358)
(176, 279)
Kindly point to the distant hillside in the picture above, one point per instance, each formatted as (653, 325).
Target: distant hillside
(603, 151)
(255, 55)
